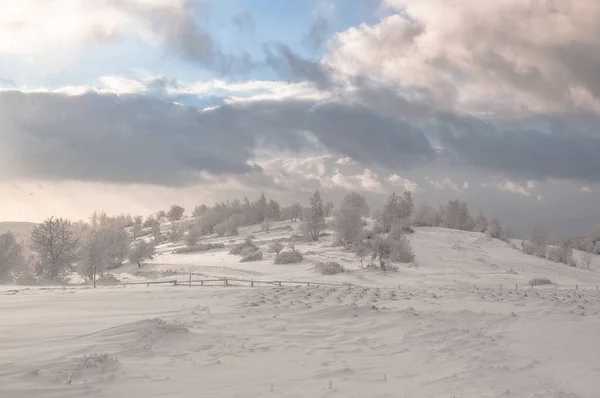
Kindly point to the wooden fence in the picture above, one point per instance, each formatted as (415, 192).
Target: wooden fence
(208, 281)
(236, 282)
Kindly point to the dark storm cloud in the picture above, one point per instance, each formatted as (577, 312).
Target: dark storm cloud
(94, 137)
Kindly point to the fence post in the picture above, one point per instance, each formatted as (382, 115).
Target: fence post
(148, 284)
(279, 283)
(251, 282)
(175, 282)
(190, 284)
(226, 282)
(516, 286)
(555, 286)
(576, 287)
(202, 283)
(501, 286)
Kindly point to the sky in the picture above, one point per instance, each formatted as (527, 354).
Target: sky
(134, 105)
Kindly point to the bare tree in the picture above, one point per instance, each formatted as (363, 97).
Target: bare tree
(56, 248)
(266, 226)
(295, 211)
(175, 213)
(314, 220)
(11, 256)
(141, 251)
(94, 257)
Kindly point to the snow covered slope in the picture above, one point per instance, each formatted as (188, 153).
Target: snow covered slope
(443, 257)
(439, 328)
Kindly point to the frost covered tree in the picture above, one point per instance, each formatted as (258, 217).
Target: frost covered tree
(538, 237)
(192, 236)
(136, 230)
(329, 209)
(161, 215)
(394, 247)
(397, 211)
(94, 256)
(294, 211)
(480, 223)
(356, 201)
(11, 256)
(456, 216)
(273, 211)
(199, 211)
(347, 220)
(175, 213)
(141, 251)
(55, 246)
(494, 229)
(314, 218)
(424, 216)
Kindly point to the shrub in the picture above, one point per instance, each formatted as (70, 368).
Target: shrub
(254, 256)
(562, 254)
(329, 268)
(244, 248)
(528, 248)
(107, 279)
(276, 247)
(199, 248)
(540, 282)
(291, 257)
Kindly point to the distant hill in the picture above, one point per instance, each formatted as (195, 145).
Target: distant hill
(16, 226)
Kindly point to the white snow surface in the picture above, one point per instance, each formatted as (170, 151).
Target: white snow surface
(440, 328)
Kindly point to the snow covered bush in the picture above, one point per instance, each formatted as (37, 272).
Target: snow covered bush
(199, 248)
(540, 282)
(253, 256)
(329, 268)
(244, 248)
(289, 257)
(276, 247)
(562, 254)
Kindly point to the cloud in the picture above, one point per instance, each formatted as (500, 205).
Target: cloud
(462, 51)
(34, 28)
(445, 183)
(93, 136)
(317, 35)
(243, 20)
(403, 183)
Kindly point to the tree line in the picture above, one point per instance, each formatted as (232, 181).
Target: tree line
(58, 247)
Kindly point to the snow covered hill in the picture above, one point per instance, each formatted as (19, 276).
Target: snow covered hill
(443, 257)
(441, 327)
